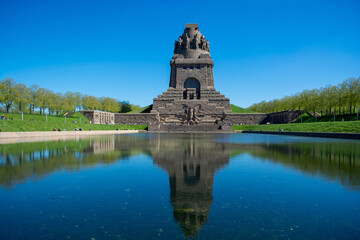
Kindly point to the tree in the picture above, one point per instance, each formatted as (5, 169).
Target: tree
(43, 99)
(296, 102)
(345, 96)
(305, 100)
(330, 98)
(52, 102)
(350, 87)
(313, 102)
(340, 97)
(109, 104)
(322, 92)
(357, 96)
(33, 97)
(91, 103)
(22, 95)
(78, 100)
(125, 107)
(59, 106)
(8, 93)
(69, 101)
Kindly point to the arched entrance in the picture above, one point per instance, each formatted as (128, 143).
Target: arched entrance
(192, 88)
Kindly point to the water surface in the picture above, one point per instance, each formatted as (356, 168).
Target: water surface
(179, 186)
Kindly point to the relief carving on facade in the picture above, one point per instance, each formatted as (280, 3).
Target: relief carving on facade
(192, 115)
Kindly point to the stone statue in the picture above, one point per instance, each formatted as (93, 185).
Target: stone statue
(157, 117)
(187, 42)
(176, 46)
(202, 43)
(180, 43)
(190, 114)
(208, 46)
(195, 42)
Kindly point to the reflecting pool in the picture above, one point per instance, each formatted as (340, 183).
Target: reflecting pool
(181, 186)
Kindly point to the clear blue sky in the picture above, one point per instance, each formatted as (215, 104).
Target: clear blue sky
(122, 49)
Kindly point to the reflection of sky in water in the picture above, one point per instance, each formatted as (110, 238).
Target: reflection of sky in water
(245, 138)
(173, 186)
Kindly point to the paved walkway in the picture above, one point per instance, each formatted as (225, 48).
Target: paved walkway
(15, 137)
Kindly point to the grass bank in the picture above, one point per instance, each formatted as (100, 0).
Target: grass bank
(306, 118)
(237, 109)
(145, 109)
(32, 122)
(340, 127)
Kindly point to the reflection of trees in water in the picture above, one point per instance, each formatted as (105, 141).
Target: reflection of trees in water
(339, 161)
(19, 162)
(190, 160)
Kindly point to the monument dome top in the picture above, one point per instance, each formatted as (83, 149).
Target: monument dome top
(191, 44)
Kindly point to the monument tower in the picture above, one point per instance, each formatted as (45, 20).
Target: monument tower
(191, 98)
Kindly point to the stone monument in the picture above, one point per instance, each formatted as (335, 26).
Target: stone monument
(191, 98)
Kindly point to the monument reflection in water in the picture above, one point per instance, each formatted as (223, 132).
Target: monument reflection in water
(191, 165)
(190, 160)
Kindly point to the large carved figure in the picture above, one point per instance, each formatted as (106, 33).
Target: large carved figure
(192, 117)
(187, 41)
(180, 43)
(176, 49)
(202, 43)
(207, 46)
(195, 42)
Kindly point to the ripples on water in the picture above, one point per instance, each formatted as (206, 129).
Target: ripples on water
(176, 186)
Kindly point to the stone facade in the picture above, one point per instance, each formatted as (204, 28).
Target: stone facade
(99, 117)
(136, 118)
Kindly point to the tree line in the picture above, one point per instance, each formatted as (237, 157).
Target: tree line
(17, 97)
(343, 98)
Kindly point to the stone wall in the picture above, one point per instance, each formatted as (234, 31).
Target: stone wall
(289, 116)
(262, 118)
(245, 118)
(136, 118)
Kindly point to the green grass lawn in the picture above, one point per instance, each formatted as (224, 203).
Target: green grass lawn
(146, 109)
(306, 118)
(36, 122)
(236, 109)
(344, 127)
